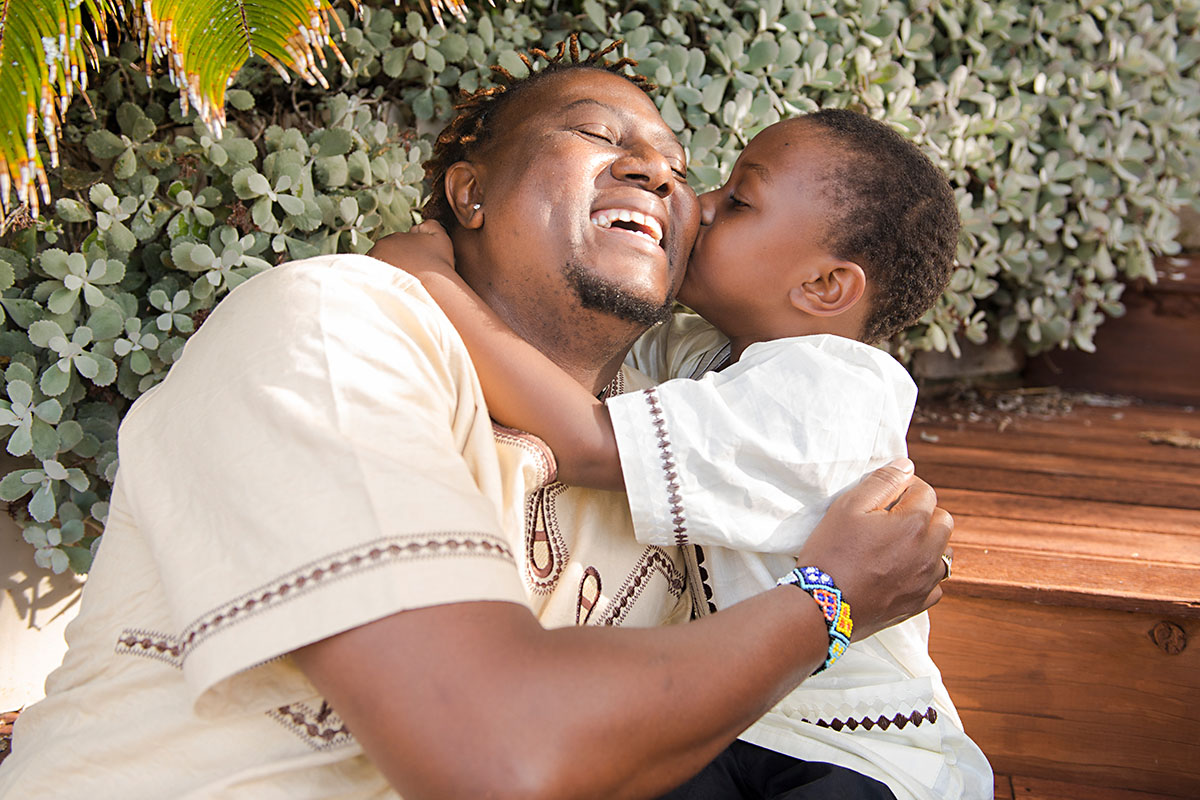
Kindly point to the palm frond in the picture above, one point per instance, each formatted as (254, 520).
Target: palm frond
(45, 49)
(205, 44)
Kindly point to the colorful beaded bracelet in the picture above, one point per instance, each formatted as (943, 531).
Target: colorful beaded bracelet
(835, 610)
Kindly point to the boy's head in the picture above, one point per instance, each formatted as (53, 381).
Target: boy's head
(833, 215)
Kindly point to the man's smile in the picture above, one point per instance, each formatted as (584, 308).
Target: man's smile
(627, 219)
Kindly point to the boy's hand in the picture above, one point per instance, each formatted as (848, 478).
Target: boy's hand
(425, 248)
(882, 542)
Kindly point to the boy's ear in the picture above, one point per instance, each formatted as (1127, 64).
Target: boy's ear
(833, 290)
(464, 194)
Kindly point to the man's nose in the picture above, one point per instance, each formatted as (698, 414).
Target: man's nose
(647, 167)
(708, 206)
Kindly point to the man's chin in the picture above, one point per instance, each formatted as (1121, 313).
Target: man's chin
(598, 294)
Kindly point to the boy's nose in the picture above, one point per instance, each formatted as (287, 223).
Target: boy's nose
(708, 206)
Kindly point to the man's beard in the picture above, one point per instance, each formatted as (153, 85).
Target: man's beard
(599, 294)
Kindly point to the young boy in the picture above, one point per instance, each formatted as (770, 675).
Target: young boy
(832, 232)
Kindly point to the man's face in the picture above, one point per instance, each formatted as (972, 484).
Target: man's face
(584, 198)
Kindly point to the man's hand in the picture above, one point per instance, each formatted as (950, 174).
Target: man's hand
(424, 249)
(882, 543)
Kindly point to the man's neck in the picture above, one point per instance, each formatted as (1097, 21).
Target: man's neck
(588, 345)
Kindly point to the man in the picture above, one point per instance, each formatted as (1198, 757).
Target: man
(315, 532)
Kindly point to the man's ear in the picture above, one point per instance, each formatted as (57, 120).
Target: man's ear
(833, 290)
(464, 194)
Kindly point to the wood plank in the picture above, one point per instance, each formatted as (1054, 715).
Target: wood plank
(1136, 550)
(1075, 695)
(1118, 464)
(1113, 490)
(1068, 441)
(1043, 789)
(984, 409)
(1126, 420)
(1120, 516)
(1004, 787)
(987, 571)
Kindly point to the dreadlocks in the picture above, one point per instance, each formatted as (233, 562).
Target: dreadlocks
(470, 131)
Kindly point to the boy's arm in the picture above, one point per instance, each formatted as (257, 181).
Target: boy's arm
(522, 387)
(791, 425)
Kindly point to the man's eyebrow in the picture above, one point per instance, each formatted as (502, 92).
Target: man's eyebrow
(587, 101)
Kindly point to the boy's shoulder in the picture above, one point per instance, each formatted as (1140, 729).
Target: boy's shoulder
(827, 359)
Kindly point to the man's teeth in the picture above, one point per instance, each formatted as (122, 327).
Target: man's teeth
(645, 226)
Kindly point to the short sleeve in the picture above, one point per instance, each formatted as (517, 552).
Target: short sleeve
(750, 457)
(319, 458)
(685, 346)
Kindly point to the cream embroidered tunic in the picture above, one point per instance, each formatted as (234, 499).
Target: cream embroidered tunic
(319, 458)
(744, 462)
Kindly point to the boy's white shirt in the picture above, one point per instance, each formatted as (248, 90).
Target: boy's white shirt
(744, 462)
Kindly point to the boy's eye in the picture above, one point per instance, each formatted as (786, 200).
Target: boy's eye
(736, 202)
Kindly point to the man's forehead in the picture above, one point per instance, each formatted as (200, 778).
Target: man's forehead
(595, 88)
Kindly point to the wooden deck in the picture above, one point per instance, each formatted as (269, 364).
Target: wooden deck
(1064, 634)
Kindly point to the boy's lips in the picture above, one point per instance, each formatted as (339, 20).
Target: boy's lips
(628, 219)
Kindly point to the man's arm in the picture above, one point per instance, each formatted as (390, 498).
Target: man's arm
(477, 700)
(523, 388)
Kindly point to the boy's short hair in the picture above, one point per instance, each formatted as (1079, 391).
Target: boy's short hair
(894, 214)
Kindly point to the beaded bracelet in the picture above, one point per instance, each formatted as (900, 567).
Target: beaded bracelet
(835, 610)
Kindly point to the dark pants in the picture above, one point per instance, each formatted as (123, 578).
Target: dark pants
(751, 772)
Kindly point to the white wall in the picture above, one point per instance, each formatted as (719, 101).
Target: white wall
(35, 606)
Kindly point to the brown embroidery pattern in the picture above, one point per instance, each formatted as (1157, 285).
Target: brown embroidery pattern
(545, 549)
(321, 729)
(151, 644)
(590, 588)
(705, 585)
(668, 466)
(530, 444)
(866, 723)
(653, 561)
(615, 387)
(301, 581)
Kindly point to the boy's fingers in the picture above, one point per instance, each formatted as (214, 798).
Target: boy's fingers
(429, 226)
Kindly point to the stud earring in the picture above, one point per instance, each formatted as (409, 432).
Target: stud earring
(477, 206)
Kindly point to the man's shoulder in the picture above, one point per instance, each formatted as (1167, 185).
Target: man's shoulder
(341, 290)
(348, 272)
(313, 323)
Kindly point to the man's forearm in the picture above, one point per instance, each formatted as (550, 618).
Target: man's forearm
(476, 699)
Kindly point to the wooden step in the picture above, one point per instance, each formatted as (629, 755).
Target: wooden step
(1079, 508)
(1064, 633)
(1020, 788)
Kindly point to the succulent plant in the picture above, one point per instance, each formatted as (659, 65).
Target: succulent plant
(1071, 133)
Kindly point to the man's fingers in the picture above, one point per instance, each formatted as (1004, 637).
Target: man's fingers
(933, 598)
(883, 487)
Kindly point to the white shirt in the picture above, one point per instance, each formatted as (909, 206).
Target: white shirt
(320, 457)
(743, 463)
